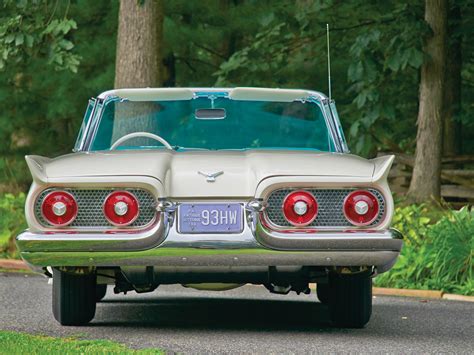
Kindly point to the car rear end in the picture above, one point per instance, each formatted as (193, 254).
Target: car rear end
(294, 230)
(214, 219)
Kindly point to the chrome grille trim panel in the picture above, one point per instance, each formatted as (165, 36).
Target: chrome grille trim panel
(330, 208)
(90, 203)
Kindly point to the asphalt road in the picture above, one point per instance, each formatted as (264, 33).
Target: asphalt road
(245, 320)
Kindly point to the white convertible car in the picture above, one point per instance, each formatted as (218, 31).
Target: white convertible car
(212, 189)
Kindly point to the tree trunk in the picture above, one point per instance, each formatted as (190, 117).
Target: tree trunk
(139, 40)
(228, 46)
(425, 183)
(169, 73)
(452, 92)
(138, 65)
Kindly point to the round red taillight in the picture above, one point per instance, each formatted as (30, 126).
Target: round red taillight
(121, 208)
(300, 208)
(59, 208)
(361, 207)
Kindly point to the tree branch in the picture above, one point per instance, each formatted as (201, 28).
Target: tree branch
(187, 63)
(210, 50)
(362, 24)
(197, 61)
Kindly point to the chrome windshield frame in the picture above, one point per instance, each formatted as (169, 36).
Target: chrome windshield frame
(329, 122)
(94, 126)
(338, 126)
(84, 129)
(313, 97)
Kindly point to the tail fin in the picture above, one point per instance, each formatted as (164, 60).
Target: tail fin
(36, 165)
(382, 167)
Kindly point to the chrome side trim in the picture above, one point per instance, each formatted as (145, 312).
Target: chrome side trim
(389, 239)
(94, 241)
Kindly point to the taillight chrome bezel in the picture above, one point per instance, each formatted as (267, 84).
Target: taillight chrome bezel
(74, 212)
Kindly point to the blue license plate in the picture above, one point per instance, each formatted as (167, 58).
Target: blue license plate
(210, 218)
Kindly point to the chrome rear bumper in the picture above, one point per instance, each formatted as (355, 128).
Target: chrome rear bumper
(255, 246)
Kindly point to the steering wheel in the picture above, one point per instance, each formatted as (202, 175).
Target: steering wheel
(140, 134)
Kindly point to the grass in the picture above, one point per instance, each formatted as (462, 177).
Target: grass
(20, 343)
(18, 271)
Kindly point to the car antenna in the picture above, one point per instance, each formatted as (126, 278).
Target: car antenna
(329, 61)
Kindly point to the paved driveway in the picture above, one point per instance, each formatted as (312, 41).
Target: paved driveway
(245, 320)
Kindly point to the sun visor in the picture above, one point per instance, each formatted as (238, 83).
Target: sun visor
(161, 94)
(261, 94)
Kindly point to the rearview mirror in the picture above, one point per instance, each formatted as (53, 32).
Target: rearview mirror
(210, 114)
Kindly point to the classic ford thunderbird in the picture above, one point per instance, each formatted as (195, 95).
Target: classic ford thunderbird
(211, 189)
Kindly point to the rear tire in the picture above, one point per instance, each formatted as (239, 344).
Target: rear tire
(100, 291)
(322, 291)
(74, 297)
(350, 299)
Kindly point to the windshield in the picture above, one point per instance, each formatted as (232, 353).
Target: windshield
(214, 123)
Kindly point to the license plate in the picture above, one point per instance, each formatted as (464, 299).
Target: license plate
(210, 218)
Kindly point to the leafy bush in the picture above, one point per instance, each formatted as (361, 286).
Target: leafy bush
(438, 251)
(12, 222)
(452, 252)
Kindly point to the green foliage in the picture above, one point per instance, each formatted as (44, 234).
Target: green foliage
(29, 30)
(20, 343)
(379, 48)
(200, 36)
(376, 54)
(451, 254)
(435, 255)
(374, 71)
(375, 50)
(41, 107)
(12, 222)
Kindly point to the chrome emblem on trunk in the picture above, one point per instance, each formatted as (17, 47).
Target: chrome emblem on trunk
(210, 177)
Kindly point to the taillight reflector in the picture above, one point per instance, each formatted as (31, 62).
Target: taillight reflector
(121, 208)
(59, 208)
(361, 207)
(300, 208)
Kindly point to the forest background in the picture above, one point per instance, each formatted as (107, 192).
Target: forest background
(402, 78)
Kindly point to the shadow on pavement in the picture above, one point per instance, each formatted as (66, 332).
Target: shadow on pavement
(393, 319)
(213, 313)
